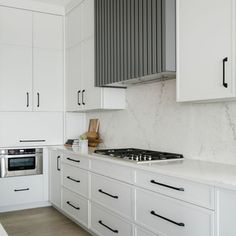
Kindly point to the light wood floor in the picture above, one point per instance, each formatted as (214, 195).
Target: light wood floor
(39, 222)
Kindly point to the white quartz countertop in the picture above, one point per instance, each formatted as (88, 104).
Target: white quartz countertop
(2, 231)
(216, 174)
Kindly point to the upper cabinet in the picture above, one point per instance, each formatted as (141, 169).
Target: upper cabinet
(81, 93)
(31, 61)
(205, 50)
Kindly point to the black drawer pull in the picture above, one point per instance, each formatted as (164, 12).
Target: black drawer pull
(58, 159)
(69, 159)
(167, 186)
(77, 208)
(101, 191)
(77, 181)
(22, 190)
(224, 61)
(113, 230)
(166, 219)
(33, 141)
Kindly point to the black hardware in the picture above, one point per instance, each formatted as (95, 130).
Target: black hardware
(167, 186)
(77, 208)
(27, 97)
(101, 191)
(78, 93)
(113, 230)
(38, 100)
(77, 181)
(32, 141)
(78, 161)
(21, 190)
(83, 97)
(166, 219)
(58, 159)
(224, 83)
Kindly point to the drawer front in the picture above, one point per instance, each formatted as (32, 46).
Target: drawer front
(105, 223)
(112, 194)
(172, 217)
(75, 206)
(21, 190)
(76, 160)
(113, 170)
(141, 232)
(199, 194)
(75, 179)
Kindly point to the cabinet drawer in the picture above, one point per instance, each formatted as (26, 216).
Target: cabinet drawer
(75, 179)
(105, 223)
(141, 232)
(171, 217)
(75, 206)
(113, 170)
(199, 194)
(112, 194)
(21, 190)
(76, 160)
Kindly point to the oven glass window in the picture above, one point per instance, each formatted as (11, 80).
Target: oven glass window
(21, 163)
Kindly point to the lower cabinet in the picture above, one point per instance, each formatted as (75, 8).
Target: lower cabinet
(141, 232)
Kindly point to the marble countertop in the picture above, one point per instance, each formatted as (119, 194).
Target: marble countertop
(216, 174)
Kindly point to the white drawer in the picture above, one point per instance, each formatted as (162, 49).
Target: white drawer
(76, 160)
(75, 206)
(112, 194)
(75, 179)
(171, 217)
(21, 190)
(141, 232)
(112, 170)
(199, 194)
(105, 223)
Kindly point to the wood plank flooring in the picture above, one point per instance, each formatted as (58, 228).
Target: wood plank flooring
(40, 222)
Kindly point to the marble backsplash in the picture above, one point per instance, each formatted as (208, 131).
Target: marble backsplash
(154, 120)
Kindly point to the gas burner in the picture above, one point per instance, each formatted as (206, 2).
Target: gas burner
(139, 155)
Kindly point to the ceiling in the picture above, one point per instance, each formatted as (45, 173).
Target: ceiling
(55, 2)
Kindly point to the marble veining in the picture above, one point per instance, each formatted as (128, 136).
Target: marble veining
(154, 120)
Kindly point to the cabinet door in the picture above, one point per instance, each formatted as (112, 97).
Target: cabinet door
(48, 80)
(55, 178)
(15, 78)
(204, 39)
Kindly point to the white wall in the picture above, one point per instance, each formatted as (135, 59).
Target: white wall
(154, 120)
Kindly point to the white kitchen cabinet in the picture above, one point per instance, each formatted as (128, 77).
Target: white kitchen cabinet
(55, 177)
(205, 37)
(225, 212)
(81, 93)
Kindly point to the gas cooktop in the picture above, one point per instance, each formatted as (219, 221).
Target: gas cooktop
(139, 155)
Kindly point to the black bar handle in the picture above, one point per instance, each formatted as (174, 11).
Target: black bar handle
(83, 97)
(33, 141)
(78, 95)
(77, 181)
(224, 83)
(77, 208)
(38, 96)
(101, 191)
(166, 219)
(58, 159)
(22, 190)
(70, 159)
(167, 186)
(27, 99)
(113, 230)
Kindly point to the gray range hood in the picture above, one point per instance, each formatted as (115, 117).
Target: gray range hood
(134, 41)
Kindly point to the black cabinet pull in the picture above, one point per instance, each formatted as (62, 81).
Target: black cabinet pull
(27, 99)
(58, 159)
(113, 230)
(33, 141)
(77, 208)
(38, 96)
(77, 181)
(166, 219)
(22, 190)
(167, 186)
(101, 191)
(69, 159)
(83, 97)
(224, 83)
(78, 95)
